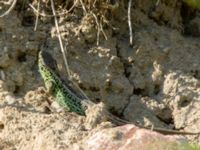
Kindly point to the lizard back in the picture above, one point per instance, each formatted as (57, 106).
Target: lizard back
(63, 95)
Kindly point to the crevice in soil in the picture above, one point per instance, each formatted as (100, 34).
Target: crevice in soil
(188, 14)
(126, 65)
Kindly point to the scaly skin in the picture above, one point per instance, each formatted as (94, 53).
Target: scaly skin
(56, 87)
(70, 101)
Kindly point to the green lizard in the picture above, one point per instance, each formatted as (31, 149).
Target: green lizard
(67, 98)
(55, 86)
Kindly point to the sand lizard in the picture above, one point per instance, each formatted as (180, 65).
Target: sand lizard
(56, 87)
(69, 100)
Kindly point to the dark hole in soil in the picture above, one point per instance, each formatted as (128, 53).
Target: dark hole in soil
(22, 57)
(138, 91)
(28, 21)
(17, 89)
(184, 102)
(1, 126)
(156, 89)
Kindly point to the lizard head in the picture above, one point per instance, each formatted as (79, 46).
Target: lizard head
(45, 59)
(47, 65)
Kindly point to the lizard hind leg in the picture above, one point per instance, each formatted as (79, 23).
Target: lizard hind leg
(95, 115)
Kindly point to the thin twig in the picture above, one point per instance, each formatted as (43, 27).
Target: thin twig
(59, 38)
(94, 3)
(83, 6)
(37, 16)
(62, 50)
(157, 3)
(98, 27)
(104, 34)
(39, 13)
(57, 15)
(10, 9)
(129, 22)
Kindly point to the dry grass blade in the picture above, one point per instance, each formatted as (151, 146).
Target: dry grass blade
(57, 15)
(37, 16)
(10, 8)
(98, 27)
(83, 6)
(158, 2)
(129, 22)
(59, 38)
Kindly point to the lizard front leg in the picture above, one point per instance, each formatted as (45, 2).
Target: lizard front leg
(58, 96)
(49, 85)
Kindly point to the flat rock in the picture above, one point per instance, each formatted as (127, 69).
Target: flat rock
(130, 137)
